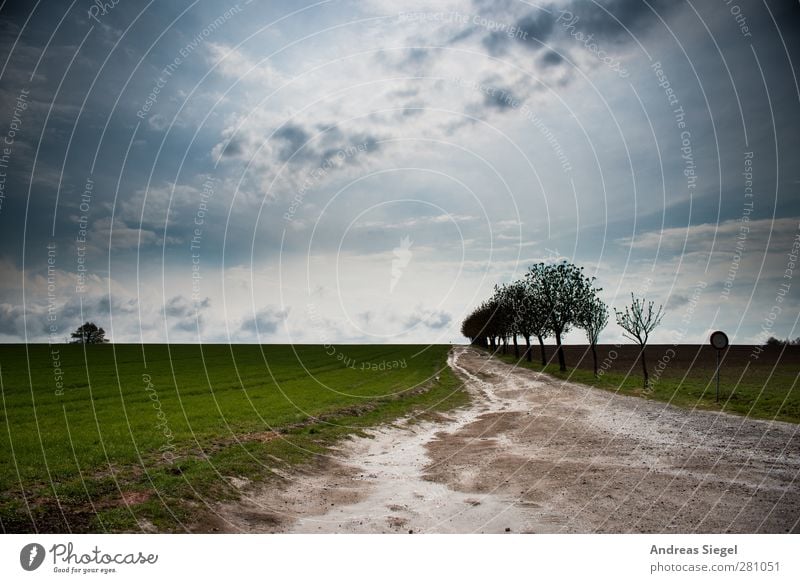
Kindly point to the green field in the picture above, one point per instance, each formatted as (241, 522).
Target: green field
(764, 388)
(97, 438)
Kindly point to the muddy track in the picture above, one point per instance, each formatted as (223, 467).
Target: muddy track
(536, 454)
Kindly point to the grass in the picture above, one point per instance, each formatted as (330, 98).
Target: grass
(154, 433)
(766, 388)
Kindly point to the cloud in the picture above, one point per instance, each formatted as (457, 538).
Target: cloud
(273, 111)
(432, 319)
(501, 98)
(618, 19)
(294, 138)
(699, 238)
(535, 27)
(676, 301)
(118, 235)
(184, 314)
(414, 222)
(265, 321)
(612, 21)
(552, 59)
(12, 321)
(233, 63)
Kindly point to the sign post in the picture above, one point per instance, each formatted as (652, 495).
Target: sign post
(719, 340)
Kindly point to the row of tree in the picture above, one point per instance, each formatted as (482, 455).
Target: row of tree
(779, 343)
(548, 301)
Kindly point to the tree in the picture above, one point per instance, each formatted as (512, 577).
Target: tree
(639, 320)
(563, 290)
(777, 343)
(492, 326)
(593, 320)
(504, 318)
(516, 295)
(531, 317)
(89, 333)
(482, 325)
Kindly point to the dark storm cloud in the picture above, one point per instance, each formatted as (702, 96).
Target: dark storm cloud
(155, 189)
(606, 21)
(610, 19)
(15, 12)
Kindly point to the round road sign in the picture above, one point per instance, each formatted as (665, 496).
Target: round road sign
(719, 340)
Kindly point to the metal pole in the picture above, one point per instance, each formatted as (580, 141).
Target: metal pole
(718, 376)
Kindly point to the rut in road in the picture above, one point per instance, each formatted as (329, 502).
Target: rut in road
(537, 454)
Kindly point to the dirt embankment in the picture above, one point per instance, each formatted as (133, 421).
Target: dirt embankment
(536, 454)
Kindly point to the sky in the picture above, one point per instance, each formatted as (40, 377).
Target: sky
(365, 172)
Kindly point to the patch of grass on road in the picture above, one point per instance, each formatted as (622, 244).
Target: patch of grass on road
(156, 432)
(766, 388)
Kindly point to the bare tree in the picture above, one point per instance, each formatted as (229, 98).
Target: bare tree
(639, 320)
(593, 320)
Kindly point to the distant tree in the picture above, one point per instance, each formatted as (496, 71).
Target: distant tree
(471, 328)
(89, 333)
(593, 320)
(778, 343)
(491, 326)
(639, 320)
(504, 317)
(482, 325)
(563, 290)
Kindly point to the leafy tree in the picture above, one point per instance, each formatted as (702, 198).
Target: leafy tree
(481, 326)
(89, 333)
(530, 316)
(507, 317)
(516, 294)
(639, 320)
(493, 326)
(563, 291)
(593, 320)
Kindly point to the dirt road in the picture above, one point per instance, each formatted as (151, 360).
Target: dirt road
(534, 454)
